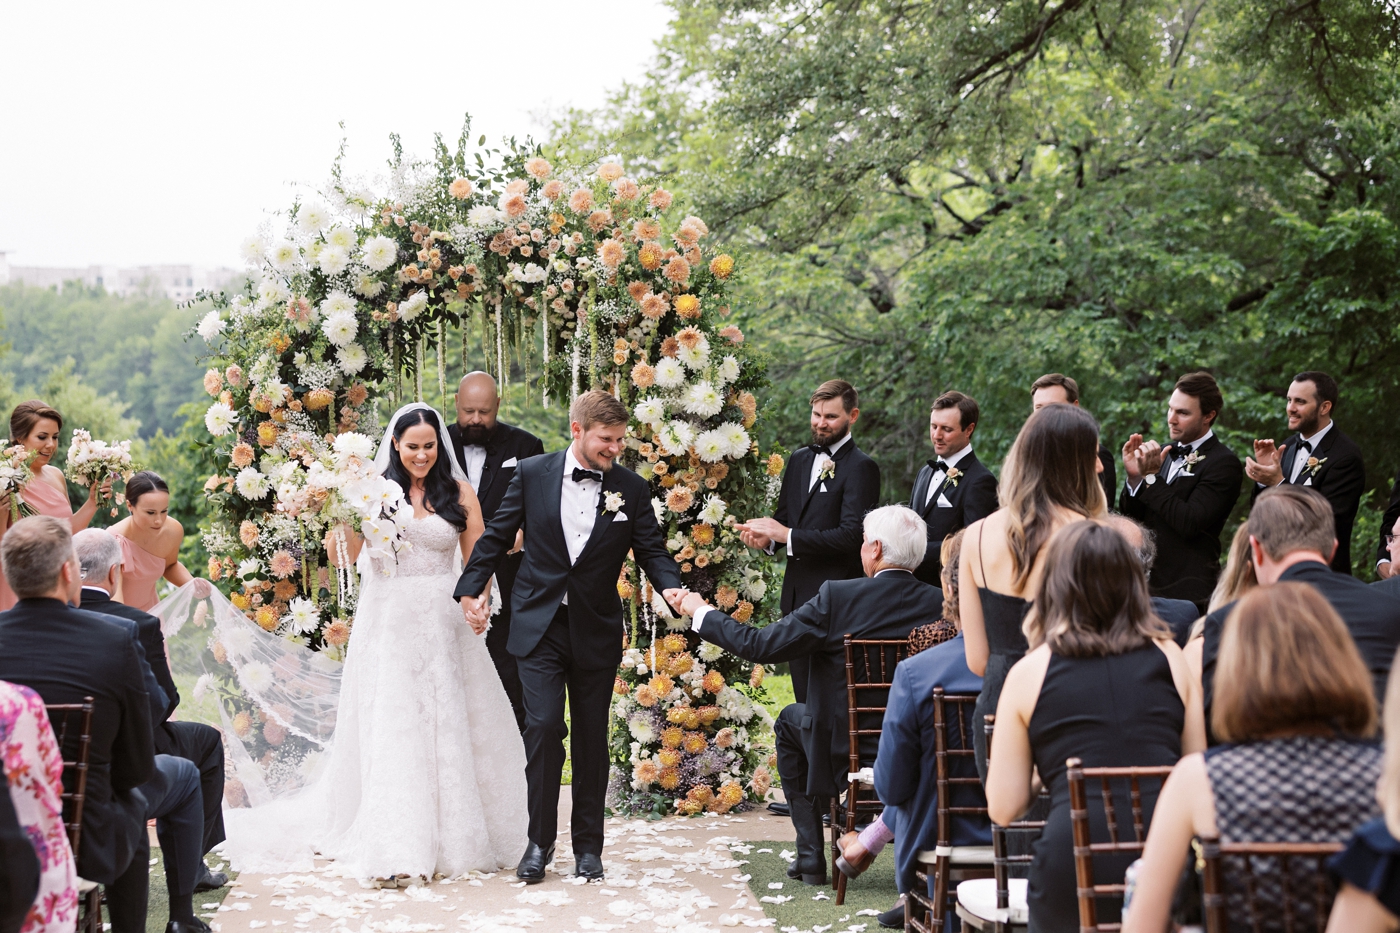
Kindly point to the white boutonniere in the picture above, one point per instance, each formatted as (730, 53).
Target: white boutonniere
(612, 501)
(1188, 463)
(952, 476)
(1313, 465)
(826, 469)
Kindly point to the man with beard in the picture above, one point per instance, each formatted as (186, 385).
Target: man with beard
(828, 487)
(489, 451)
(1317, 455)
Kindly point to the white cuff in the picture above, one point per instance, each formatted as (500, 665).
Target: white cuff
(699, 615)
(1133, 490)
(789, 541)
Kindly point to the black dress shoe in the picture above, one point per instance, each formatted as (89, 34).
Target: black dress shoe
(533, 862)
(199, 926)
(210, 881)
(587, 865)
(780, 808)
(892, 919)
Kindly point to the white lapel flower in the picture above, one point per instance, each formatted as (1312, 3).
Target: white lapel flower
(826, 468)
(1188, 465)
(1313, 465)
(612, 501)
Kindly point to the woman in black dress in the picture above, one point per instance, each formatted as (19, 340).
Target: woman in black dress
(1049, 479)
(1103, 682)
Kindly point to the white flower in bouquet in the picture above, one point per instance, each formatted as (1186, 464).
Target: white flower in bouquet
(337, 302)
(90, 462)
(736, 440)
(651, 412)
(528, 272)
(713, 512)
(703, 400)
(313, 217)
(659, 508)
(342, 237)
(709, 651)
(302, 616)
(695, 356)
(255, 676)
(352, 444)
(201, 686)
(676, 438)
(284, 256)
(755, 587)
(486, 216)
(734, 705)
(252, 249)
(728, 370)
(210, 326)
(368, 285)
(252, 484)
(380, 253)
(710, 446)
(670, 374)
(340, 328)
(333, 260)
(414, 306)
(642, 729)
(220, 419)
(236, 637)
(249, 567)
(351, 358)
(272, 292)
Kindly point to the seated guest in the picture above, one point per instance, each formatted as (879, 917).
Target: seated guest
(65, 654)
(19, 870)
(1179, 614)
(812, 738)
(1103, 682)
(1369, 870)
(1294, 699)
(1391, 537)
(1238, 576)
(35, 771)
(1291, 537)
(100, 562)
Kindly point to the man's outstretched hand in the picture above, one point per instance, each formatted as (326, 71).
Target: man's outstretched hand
(476, 611)
(673, 596)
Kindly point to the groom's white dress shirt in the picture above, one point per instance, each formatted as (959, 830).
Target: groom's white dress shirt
(578, 508)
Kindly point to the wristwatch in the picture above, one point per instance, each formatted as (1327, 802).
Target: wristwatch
(1150, 478)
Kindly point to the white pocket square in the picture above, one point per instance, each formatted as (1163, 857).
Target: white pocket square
(509, 463)
(823, 488)
(943, 502)
(619, 516)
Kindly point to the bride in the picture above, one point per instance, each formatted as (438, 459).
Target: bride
(426, 772)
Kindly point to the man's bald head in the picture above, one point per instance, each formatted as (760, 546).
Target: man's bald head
(477, 404)
(1139, 538)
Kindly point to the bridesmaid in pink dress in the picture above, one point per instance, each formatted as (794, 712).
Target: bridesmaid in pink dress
(150, 541)
(37, 426)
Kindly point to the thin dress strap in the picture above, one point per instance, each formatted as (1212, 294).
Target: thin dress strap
(981, 568)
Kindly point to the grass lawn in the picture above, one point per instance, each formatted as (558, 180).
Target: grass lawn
(158, 907)
(873, 892)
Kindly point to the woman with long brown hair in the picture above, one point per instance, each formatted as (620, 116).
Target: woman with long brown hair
(1050, 478)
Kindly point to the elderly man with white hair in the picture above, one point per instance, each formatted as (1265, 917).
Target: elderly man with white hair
(813, 737)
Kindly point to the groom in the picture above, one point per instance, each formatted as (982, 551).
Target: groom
(581, 514)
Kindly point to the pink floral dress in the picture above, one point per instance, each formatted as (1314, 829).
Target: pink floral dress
(34, 773)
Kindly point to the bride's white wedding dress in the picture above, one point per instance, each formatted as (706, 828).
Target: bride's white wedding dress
(426, 772)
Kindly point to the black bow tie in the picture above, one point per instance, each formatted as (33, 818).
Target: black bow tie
(939, 464)
(1180, 450)
(1304, 445)
(580, 475)
(819, 449)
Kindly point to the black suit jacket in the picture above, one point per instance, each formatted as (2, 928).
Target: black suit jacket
(153, 645)
(1187, 515)
(971, 499)
(1371, 614)
(1392, 514)
(595, 611)
(1179, 614)
(65, 654)
(825, 520)
(885, 606)
(1341, 478)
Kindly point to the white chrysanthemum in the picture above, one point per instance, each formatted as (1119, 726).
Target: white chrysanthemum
(272, 292)
(704, 400)
(341, 236)
(651, 411)
(249, 567)
(380, 253)
(368, 285)
(642, 729)
(201, 686)
(710, 446)
(709, 651)
(236, 636)
(414, 306)
(695, 357)
(659, 508)
(284, 256)
(252, 484)
(485, 215)
(755, 587)
(211, 326)
(351, 358)
(252, 249)
(302, 616)
(670, 374)
(728, 370)
(220, 419)
(255, 676)
(353, 444)
(676, 438)
(713, 512)
(736, 440)
(333, 260)
(340, 328)
(337, 301)
(313, 217)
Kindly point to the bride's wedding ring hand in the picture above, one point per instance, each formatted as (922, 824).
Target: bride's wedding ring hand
(476, 612)
(673, 596)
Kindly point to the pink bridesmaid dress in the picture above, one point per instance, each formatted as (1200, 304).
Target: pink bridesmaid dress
(141, 571)
(43, 498)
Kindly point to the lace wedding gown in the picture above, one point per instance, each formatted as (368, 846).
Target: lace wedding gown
(426, 772)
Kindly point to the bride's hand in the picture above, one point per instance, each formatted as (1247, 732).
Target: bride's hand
(475, 610)
(202, 588)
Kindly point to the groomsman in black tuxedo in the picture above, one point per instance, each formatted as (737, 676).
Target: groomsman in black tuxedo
(581, 513)
(1317, 455)
(488, 451)
(1387, 567)
(954, 489)
(1056, 387)
(1184, 491)
(828, 487)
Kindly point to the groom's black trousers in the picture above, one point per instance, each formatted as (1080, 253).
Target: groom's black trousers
(544, 674)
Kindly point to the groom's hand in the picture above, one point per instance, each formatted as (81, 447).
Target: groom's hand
(692, 603)
(673, 596)
(475, 611)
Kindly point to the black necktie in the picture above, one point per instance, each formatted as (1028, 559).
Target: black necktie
(819, 449)
(580, 475)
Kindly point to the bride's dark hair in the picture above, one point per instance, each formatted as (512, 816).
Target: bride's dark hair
(441, 491)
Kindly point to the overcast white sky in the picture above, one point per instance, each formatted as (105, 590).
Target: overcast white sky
(140, 132)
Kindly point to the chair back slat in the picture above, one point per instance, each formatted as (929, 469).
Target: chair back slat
(1085, 848)
(1002, 859)
(61, 716)
(1240, 871)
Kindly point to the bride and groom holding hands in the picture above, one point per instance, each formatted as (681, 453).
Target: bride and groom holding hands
(423, 775)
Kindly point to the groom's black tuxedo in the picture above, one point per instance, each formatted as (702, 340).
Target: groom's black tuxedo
(506, 448)
(1187, 516)
(972, 498)
(1340, 476)
(577, 645)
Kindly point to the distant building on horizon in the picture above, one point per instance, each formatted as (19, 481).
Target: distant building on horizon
(178, 282)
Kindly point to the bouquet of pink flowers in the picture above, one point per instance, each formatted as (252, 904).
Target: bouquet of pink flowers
(93, 462)
(15, 470)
